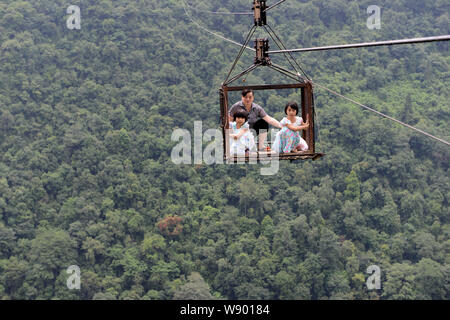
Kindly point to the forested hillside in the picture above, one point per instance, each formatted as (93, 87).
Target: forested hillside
(86, 178)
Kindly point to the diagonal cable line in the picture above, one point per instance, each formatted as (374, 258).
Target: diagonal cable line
(245, 72)
(247, 39)
(280, 46)
(250, 34)
(382, 114)
(283, 71)
(272, 6)
(289, 53)
(210, 32)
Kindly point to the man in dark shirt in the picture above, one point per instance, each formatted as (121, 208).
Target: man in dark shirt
(258, 119)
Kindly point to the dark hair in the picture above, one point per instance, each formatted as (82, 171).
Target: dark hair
(246, 91)
(293, 106)
(240, 114)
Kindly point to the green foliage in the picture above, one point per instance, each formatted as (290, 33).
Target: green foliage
(194, 289)
(86, 118)
(353, 189)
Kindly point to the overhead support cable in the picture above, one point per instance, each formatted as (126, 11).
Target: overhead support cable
(272, 6)
(368, 44)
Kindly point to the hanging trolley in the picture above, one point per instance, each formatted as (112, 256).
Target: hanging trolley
(301, 83)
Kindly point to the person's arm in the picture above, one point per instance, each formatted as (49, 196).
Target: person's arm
(272, 121)
(297, 128)
(303, 126)
(241, 131)
(238, 135)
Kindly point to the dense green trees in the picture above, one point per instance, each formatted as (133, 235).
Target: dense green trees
(86, 179)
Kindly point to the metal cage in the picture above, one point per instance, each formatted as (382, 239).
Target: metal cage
(307, 111)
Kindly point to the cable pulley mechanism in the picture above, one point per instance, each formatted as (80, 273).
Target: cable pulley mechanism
(259, 11)
(262, 49)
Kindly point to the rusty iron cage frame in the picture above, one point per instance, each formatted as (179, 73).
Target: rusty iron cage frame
(307, 112)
